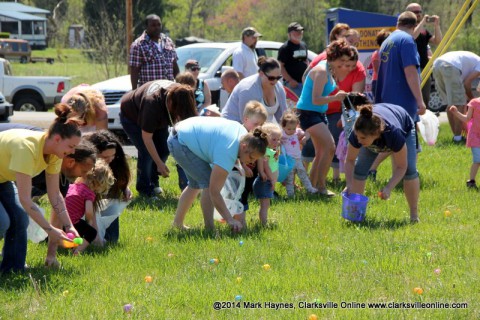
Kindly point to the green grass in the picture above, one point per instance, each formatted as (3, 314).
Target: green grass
(314, 256)
(72, 63)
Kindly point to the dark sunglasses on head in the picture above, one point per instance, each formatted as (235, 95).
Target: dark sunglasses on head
(272, 78)
(195, 68)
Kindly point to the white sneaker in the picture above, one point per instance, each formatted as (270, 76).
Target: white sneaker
(158, 190)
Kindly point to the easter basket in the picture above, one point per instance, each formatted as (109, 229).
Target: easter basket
(354, 206)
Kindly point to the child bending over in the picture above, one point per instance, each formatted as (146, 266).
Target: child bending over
(264, 183)
(292, 136)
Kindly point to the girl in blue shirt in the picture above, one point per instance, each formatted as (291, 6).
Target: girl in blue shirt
(313, 104)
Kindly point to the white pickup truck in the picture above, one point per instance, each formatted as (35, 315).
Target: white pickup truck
(31, 93)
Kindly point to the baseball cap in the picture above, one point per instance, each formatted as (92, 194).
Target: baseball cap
(295, 26)
(250, 31)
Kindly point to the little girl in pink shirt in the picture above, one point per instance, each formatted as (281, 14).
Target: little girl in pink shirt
(291, 137)
(473, 135)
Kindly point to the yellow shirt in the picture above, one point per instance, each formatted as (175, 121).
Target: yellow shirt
(21, 150)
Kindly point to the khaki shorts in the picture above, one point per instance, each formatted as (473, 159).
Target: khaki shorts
(448, 83)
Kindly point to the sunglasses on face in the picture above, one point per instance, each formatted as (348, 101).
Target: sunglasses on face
(195, 68)
(417, 11)
(272, 78)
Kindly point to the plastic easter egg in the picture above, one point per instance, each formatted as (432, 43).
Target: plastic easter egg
(238, 297)
(447, 213)
(418, 290)
(214, 261)
(70, 236)
(313, 317)
(78, 241)
(266, 267)
(148, 279)
(127, 308)
(239, 279)
(240, 243)
(437, 271)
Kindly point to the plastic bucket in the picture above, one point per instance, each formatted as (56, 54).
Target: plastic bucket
(354, 206)
(285, 165)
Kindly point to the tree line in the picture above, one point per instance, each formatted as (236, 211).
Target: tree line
(223, 20)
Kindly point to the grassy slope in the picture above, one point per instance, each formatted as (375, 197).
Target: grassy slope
(312, 252)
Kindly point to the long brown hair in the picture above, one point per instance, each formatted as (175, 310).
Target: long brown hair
(181, 103)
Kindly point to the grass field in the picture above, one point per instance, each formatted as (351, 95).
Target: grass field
(314, 256)
(72, 63)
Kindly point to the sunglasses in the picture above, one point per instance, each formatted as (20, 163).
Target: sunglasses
(195, 68)
(417, 11)
(272, 78)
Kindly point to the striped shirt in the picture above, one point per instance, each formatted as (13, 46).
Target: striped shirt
(77, 195)
(155, 60)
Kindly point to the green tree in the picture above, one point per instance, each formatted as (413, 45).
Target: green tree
(364, 5)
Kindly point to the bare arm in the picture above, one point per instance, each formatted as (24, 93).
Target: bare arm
(462, 117)
(58, 202)
(437, 34)
(134, 75)
(467, 83)
(207, 94)
(24, 186)
(399, 167)
(413, 81)
(319, 77)
(176, 69)
(359, 86)
(161, 166)
(352, 154)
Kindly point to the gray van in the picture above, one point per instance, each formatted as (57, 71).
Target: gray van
(15, 49)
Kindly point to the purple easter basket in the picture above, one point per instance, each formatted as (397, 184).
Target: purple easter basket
(354, 206)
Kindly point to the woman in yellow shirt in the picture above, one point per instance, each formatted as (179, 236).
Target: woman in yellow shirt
(24, 154)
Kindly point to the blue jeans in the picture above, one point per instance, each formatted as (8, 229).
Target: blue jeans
(147, 174)
(13, 226)
(366, 157)
(196, 170)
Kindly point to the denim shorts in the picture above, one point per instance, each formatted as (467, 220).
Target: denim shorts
(366, 157)
(310, 118)
(262, 189)
(476, 154)
(197, 170)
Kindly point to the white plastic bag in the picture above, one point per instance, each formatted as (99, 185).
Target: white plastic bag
(34, 232)
(429, 126)
(231, 193)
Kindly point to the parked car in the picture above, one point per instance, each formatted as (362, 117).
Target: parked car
(214, 59)
(31, 93)
(6, 109)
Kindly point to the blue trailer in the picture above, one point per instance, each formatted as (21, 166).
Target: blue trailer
(368, 24)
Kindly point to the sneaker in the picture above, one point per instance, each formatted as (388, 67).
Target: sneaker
(158, 190)
(372, 174)
(471, 184)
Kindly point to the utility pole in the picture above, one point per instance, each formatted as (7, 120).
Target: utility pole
(129, 27)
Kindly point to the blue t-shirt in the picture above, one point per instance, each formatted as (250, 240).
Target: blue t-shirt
(398, 124)
(398, 51)
(213, 139)
(305, 102)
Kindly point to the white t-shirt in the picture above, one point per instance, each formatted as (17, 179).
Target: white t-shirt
(465, 61)
(244, 60)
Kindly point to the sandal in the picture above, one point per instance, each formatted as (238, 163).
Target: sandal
(325, 192)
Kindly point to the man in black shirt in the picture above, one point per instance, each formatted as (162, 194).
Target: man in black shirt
(293, 57)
